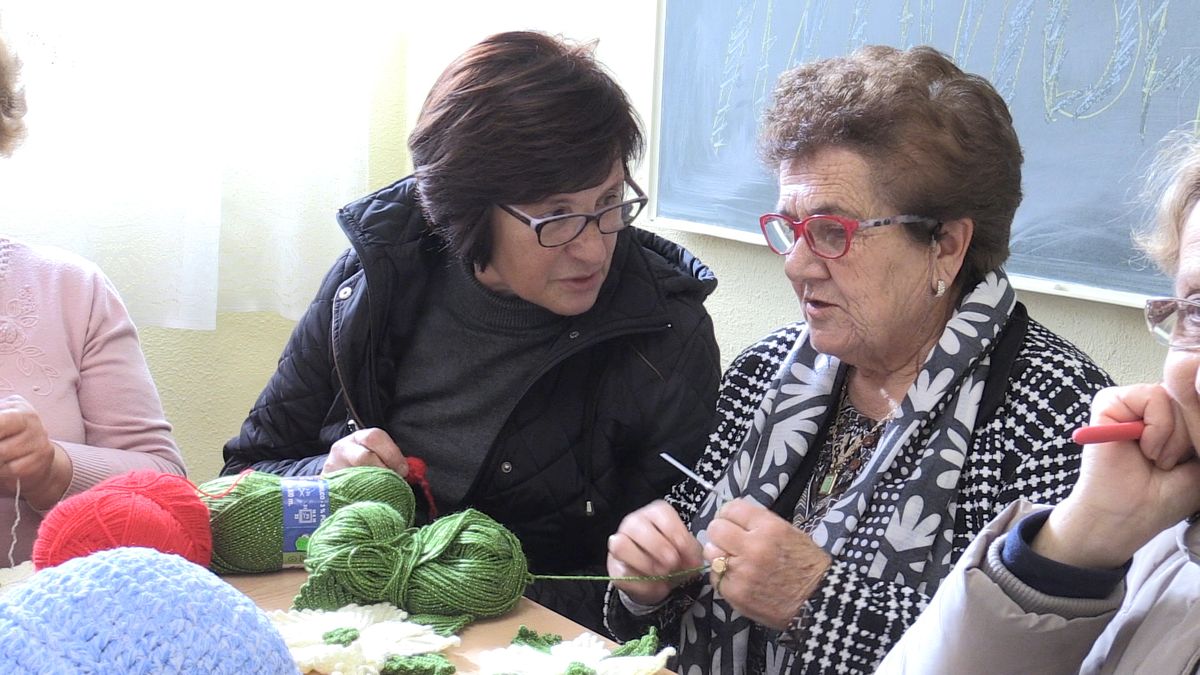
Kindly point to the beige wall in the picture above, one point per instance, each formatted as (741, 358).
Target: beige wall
(209, 379)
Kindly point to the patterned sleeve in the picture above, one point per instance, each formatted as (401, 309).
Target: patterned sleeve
(1023, 450)
(742, 388)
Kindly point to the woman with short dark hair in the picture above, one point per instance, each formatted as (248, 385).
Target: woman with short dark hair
(859, 450)
(498, 317)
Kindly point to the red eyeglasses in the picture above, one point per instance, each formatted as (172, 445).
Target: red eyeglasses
(827, 236)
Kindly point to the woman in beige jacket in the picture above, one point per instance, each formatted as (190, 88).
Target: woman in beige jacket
(1108, 581)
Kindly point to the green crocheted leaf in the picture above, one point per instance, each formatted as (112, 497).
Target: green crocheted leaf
(647, 645)
(432, 663)
(531, 638)
(577, 668)
(340, 636)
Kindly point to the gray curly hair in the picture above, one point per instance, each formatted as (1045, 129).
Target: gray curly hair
(1173, 185)
(12, 101)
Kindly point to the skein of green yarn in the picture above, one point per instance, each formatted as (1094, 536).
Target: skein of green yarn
(456, 569)
(247, 516)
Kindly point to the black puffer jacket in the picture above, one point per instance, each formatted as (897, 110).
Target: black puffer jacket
(634, 376)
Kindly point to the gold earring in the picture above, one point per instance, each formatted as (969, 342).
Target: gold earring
(941, 289)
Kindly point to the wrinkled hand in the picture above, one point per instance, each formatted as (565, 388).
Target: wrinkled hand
(1128, 491)
(651, 541)
(771, 567)
(27, 455)
(366, 447)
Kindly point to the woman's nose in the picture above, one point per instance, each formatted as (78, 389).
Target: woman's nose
(801, 263)
(589, 246)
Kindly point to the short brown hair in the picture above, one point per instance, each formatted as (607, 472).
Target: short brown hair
(517, 118)
(940, 142)
(12, 101)
(1173, 184)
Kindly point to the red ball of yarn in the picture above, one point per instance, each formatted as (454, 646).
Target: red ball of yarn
(142, 508)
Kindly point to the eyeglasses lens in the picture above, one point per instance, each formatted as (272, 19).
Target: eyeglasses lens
(1174, 322)
(779, 234)
(561, 230)
(630, 210)
(826, 237)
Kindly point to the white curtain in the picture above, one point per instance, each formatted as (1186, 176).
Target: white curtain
(198, 152)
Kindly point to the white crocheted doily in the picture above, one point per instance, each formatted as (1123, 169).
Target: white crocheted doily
(383, 632)
(11, 577)
(587, 649)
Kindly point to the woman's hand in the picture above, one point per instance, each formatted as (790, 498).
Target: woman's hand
(1128, 491)
(366, 447)
(771, 568)
(651, 541)
(27, 455)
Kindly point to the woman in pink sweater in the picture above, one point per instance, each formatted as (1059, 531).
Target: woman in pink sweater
(77, 403)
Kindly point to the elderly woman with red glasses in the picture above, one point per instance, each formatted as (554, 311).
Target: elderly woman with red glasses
(497, 317)
(859, 450)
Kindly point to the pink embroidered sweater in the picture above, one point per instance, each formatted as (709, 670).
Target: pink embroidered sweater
(68, 346)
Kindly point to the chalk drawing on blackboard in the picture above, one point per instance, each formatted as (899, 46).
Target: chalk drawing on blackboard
(1092, 87)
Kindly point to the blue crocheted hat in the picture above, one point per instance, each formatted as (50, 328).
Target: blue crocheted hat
(135, 610)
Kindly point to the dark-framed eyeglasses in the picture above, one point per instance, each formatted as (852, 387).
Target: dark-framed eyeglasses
(827, 236)
(562, 229)
(1175, 322)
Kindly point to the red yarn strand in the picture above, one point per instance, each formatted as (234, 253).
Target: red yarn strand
(417, 476)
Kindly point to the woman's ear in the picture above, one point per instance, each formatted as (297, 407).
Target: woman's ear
(950, 245)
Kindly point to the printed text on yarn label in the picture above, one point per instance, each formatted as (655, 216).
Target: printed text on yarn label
(305, 505)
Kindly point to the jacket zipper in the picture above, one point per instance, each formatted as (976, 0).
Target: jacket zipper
(489, 462)
(354, 423)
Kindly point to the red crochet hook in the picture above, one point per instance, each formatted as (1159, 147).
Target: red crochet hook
(1107, 433)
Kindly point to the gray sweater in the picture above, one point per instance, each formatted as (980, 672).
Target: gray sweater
(473, 354)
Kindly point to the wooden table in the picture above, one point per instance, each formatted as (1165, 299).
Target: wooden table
(277, 589)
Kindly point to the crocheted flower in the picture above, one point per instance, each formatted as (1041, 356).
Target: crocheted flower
(585, 654)
(354, 640)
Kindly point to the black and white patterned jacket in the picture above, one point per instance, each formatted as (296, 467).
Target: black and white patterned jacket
(1021, 448)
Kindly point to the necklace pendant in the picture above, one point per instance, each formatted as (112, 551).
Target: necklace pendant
(827, 483)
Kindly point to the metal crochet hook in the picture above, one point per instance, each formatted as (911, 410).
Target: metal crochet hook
(688, 472)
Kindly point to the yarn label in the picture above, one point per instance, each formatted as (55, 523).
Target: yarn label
(305, 505)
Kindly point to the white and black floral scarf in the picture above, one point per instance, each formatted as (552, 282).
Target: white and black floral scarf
(926, 442)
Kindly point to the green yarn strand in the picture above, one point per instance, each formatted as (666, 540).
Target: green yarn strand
(246, 512)
(691, 571)
(443, 625)
(468, 562)
(459, 568)
(448, 573)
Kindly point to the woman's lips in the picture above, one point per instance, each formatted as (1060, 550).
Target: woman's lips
(814, 308)
(584, 282)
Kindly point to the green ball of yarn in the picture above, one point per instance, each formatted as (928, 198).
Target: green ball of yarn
(246, 512)
(464, 565)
